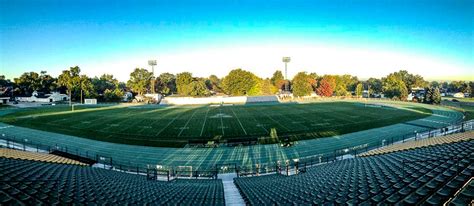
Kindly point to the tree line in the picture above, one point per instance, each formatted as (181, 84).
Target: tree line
(397, 85)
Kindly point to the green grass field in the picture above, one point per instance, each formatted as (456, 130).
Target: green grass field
(174, 126)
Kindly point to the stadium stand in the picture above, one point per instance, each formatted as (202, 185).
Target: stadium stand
(465, 195)
(43, 157)
(429, 175)
(421, 143)
(32, 182)
(261, 99)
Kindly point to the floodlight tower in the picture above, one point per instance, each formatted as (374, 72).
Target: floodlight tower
(152, 63)
(286, 60)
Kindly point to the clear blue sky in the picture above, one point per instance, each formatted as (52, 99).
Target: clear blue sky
(53, 35)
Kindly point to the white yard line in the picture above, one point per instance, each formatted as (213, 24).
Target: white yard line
(205, 120)
(170, 123)
(183, 128)
(265, 129)
(275, 121)
(222, 122)
(239, 121)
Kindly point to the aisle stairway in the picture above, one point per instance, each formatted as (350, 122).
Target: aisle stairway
(231, 193)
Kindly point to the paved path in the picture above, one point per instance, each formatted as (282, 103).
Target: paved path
(231, 193)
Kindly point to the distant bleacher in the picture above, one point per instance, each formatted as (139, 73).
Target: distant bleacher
(421, 143)
(428, 175)
(25, 182)
(43, 157)
(261, 99)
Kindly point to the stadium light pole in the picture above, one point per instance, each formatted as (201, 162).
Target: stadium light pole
(286, 60)
(152, 63)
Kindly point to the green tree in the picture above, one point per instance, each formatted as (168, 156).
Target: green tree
(436, 96)
(71, 80)
(166, 83)
(214, 84)
(471, 85)
(86, 88)
(375, 86)
(198, 88)
(432, 96)
(183, 80)
(277, 78)
(410, 80)
(435, 84)
(394, 87)
(359, 90)
(28, 82)
(268, 88)
(107, 88)
(47, 82)
(238, 82)
(428, 97)
(313, 80)
(139, 80)
(256, 88)
(104, 82)
(301, 84)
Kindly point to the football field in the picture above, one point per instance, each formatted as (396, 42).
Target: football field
(173, 126)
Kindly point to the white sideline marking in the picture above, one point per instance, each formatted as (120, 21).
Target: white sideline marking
(205, 119)
(169, 123)
(222, 122)
(239, 121)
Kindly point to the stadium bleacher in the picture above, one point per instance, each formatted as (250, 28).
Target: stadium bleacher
(429, 175)
(465, 195)
(421, 143)
(430, 171)
(43, 157)
(26, 182)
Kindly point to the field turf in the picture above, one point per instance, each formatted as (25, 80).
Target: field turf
(175, 126)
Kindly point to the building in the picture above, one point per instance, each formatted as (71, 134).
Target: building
(417, 94)
(4, 100)
(45, 98)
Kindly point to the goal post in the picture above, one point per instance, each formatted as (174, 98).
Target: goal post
(184, 171)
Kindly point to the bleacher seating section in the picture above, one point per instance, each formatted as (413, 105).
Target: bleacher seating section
(24, 182)
(465, 195)
(429, 175)
(43, 157)
(421, 143)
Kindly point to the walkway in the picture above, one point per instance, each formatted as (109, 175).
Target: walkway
(231, 193)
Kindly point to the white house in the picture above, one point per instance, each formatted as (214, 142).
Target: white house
(458, 95)
(39, 97)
